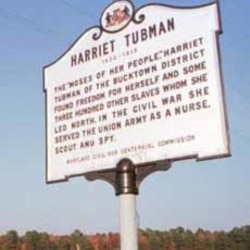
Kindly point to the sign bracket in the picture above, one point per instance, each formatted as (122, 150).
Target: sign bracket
(126, 179)
(142, 171)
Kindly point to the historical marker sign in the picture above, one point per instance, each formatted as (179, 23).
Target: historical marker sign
(145, 85)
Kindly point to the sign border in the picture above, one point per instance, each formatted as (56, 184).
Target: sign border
(138, 20)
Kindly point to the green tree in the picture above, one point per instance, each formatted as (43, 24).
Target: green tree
(197, 241)
(168, 242)
(62, 244)
(188, 240)
(207, 243)
(222, 242)
(178, 238)
(31, 239)
(155, 239)
(44, 242)
(238, 238)
(79, 241)
(247, 237)
(11, 240)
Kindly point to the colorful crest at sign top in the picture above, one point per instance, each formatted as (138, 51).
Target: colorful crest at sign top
(117, 15)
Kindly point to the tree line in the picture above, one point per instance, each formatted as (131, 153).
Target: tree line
(174, 239)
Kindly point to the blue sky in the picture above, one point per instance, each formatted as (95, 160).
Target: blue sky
(213, 195)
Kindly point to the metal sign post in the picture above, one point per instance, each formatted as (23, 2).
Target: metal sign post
(126, 179)
(126, 190)
(128, 222)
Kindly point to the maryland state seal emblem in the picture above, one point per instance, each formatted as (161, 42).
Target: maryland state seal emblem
(117, 15)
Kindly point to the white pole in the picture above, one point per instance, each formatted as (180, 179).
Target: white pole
(128, 222)
(126, 190)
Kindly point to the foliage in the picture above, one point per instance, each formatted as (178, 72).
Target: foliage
(11, 240)
(174, 239)
(79, 241)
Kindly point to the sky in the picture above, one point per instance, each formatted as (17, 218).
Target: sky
(212, 195)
